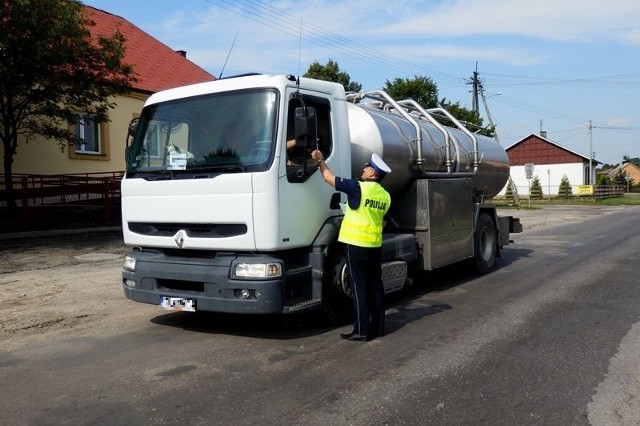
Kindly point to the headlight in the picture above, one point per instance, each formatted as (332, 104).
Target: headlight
(257, 270)
(129, 263)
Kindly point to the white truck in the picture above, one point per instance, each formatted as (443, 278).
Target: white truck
(225, 211)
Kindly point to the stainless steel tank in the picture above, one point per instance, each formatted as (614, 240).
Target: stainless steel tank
(393, 137)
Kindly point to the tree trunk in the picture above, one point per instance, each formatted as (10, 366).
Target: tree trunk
(9, 193)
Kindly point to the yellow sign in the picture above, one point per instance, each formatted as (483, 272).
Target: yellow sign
(585, 189)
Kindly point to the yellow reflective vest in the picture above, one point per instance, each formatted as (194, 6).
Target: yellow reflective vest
(363, 226)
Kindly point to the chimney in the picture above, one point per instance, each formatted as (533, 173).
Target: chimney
(543, 133)
(182, 53)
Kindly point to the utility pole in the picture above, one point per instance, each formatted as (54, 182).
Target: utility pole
(475, 103)
(590, 153)
(474, 91)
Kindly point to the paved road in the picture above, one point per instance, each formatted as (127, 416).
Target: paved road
(550, 337)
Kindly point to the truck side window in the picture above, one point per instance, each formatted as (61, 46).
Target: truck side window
(299, 163)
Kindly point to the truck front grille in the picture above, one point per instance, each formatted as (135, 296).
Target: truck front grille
(193, 230)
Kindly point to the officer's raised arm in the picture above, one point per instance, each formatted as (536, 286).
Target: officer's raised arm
(327, 174)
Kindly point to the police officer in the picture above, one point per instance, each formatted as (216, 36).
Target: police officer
(361, 231)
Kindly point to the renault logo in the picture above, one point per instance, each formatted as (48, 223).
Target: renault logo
(179, 238)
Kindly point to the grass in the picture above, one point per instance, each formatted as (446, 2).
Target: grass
(575, 201)
(620, 201)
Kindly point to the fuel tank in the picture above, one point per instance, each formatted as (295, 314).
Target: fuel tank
(393, 137)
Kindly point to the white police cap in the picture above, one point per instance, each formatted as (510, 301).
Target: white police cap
(378, 165)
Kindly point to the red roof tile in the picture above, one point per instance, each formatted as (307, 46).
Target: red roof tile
(157, 66)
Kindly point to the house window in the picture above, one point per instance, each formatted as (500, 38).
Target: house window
(87, 130)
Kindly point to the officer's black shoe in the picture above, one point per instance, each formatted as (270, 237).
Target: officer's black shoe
(347, 335)
(355, 337)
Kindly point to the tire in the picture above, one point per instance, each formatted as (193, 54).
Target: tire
(484, 244)
(336, 293)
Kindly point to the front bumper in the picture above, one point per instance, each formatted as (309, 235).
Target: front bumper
(205, 280)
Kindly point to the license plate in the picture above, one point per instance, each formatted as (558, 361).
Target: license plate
(178, 304)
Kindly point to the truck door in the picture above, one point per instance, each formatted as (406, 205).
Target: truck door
(304, 198)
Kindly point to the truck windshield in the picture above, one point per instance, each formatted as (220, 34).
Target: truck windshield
(231, 132)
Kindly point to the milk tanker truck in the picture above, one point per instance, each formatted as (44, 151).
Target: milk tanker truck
(225, 211)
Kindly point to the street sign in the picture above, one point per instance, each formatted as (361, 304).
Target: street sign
(585, 190)
(528, 169)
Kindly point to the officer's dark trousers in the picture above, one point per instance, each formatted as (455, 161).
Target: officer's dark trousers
(368, 293)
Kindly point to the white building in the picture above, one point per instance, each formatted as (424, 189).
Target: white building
(550, 162)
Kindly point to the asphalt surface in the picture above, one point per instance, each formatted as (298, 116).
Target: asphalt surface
(551, 337)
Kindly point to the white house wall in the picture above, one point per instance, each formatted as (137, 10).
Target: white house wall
(549, 175)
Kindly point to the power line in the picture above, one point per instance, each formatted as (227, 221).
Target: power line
(265, 14)
(538, 110)
(262, 12)
(515, 80)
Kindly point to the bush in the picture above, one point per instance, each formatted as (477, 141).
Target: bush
(603, 180)
(565, 191)
(536, 189)
(508, 193)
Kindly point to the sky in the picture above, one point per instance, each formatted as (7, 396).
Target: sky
(568, 67)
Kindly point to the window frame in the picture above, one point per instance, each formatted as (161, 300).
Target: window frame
(101, 131)
(301, 172)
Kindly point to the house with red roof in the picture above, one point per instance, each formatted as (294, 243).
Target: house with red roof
(549, 162)
(157, 67)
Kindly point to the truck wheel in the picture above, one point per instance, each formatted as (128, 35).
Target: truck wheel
(337, 294)
(484, 244)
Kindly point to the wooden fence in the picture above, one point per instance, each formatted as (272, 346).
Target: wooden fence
(608, 191)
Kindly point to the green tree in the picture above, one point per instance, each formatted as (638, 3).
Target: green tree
(565, 191)
(51, 69)
(634, 160)
(620, 178)
(603, 179)
(425, 92)
(536, 189)
(421, 89)
(508, 193)
(468, 117)
(606, 167)
(331, 72)
(511, 193)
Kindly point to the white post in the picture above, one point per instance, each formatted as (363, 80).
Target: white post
(590, 153)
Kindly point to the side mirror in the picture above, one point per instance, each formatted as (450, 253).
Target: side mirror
(133, 127)
(131, 132)
(306, 127)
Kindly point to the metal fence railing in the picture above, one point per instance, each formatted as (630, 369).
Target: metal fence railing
(38, 195)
